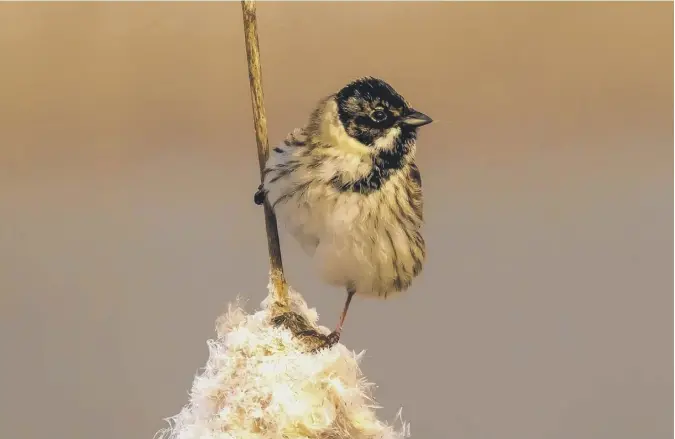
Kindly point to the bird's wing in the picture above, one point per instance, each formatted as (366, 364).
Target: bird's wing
(416, 198)
(280, 154)
(296, 138)
(279, 163)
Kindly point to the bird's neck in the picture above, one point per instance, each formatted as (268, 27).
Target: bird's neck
(349, 164)
(368, 173)
(385, 164)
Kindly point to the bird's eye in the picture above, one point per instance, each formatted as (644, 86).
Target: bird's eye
(378, 116)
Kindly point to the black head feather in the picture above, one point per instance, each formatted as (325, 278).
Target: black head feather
(367, 108)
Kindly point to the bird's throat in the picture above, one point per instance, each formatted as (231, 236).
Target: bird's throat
(385, 163)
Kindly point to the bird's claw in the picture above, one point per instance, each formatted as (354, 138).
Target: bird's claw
(300, 327)
(290, 320)
(259, 197)
(326, 341)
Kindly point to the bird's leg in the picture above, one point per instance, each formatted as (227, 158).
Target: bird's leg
(332, 338)
(343, 316)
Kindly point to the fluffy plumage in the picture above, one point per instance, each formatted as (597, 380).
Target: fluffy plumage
(347, 188)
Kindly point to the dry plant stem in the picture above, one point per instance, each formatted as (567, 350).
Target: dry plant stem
(260, 121)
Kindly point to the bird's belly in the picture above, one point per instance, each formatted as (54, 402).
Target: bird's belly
(352, 260)
(354, 243)
(304, 218)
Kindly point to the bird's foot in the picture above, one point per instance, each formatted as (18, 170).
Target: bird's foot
(259, 197)
(324, 341)
(300, 327)
(292, 321)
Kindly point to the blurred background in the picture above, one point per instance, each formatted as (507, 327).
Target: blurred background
(128, 165)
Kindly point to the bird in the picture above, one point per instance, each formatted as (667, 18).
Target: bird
(346, 186)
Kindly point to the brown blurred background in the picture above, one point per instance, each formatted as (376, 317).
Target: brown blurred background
(128, 164)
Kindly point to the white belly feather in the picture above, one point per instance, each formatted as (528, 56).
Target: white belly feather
(352, 239)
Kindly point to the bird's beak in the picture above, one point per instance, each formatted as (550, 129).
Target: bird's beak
(416, 119)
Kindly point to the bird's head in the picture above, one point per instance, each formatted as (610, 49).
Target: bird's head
(372, 112)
